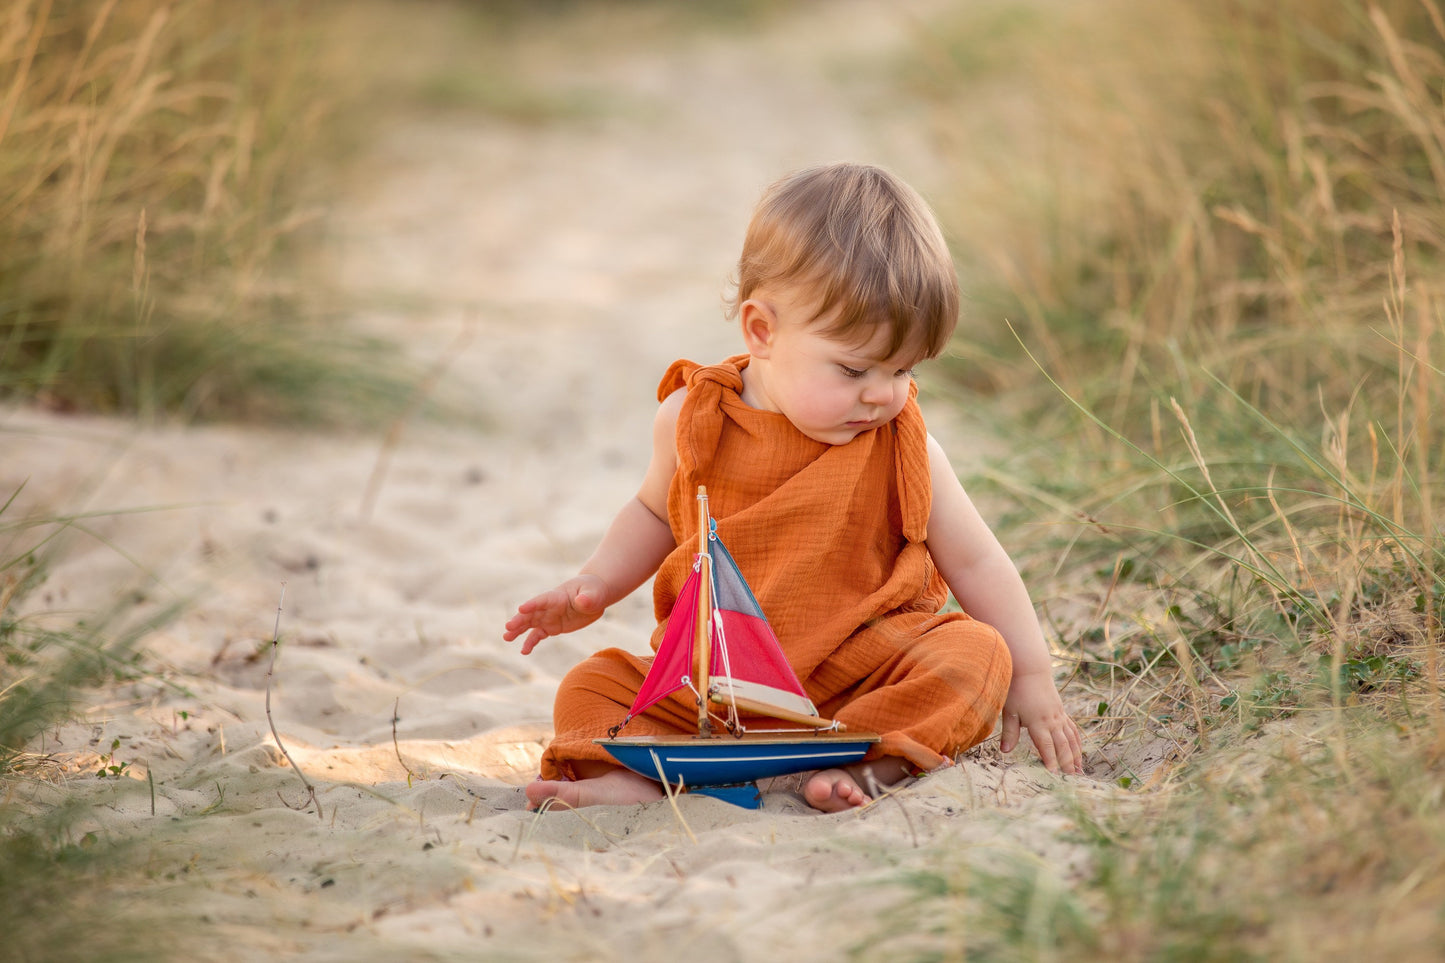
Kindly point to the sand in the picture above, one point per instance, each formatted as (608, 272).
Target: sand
(581, 258)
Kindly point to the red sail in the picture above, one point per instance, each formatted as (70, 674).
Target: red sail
(747, 659)
(673, 663)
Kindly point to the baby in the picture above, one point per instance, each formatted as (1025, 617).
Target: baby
(841, 511)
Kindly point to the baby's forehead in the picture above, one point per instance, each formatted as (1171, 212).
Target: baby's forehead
(862, 328)
(874, 341)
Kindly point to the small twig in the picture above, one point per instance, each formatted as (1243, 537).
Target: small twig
(395, 718)
(270, 673)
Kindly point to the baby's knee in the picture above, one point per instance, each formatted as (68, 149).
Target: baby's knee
(966, 642)
(974, 665)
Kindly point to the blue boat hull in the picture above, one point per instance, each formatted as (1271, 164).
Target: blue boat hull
(723, 765)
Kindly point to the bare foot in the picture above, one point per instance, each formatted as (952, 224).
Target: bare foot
(834, 790)
(613, 788)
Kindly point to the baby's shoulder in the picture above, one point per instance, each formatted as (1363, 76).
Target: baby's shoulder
(664, 423)
(937, 457)
(672, 404)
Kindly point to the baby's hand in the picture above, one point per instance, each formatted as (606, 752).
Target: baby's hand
(1033, 703)
(575, 604)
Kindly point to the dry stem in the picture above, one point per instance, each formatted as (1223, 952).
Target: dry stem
(395, 718)
(270, 673)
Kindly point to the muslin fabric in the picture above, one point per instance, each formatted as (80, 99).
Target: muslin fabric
(831, 538)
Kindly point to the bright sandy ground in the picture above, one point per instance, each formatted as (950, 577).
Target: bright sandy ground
(585, 256)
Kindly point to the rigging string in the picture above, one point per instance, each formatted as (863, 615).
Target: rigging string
(732, 722)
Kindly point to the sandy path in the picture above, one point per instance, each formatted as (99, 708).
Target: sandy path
(584, 256)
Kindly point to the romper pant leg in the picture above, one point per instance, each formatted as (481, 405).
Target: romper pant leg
(595, 696)
(930, 685)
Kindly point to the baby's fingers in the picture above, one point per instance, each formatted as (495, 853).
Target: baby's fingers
(1044, 743)
(1076, 744)
(1010, 736)
(1065, 749)
(514, 627)
(530, 642)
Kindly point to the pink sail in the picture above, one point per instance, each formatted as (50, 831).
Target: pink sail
(747, 659)
(672, 666)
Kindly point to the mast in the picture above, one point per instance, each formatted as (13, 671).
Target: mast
(702, 636)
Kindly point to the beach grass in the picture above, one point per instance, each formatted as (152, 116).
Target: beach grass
(1206, 274)
(159, 203)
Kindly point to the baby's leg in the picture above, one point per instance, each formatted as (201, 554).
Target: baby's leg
(598, 784)
(592, 699)
(834, 790)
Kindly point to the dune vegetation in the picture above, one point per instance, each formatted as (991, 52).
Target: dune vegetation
(1207, 276)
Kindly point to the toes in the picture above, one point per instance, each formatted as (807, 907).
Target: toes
(833, 791)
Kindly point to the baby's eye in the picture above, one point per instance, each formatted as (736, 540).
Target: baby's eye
(903, 373)
(852, 372)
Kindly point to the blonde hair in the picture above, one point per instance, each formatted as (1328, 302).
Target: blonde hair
(862, 242)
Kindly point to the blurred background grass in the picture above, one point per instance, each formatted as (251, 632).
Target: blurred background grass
(1202, 247)
(159, 201)
(166, 170)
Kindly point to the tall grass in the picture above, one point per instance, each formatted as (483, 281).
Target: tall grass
(1210, 289)
(1213, 183)
(153, 199)
(1242, 303)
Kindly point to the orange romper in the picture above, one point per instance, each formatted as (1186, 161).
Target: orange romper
(831, 540)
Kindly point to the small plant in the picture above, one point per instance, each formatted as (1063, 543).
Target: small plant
(109, 768)
(1273, 696)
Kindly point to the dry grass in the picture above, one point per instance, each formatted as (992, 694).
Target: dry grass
(151, 200)
(1220, 184)
(1216, 234)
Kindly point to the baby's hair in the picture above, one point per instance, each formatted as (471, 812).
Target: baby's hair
(861, 241)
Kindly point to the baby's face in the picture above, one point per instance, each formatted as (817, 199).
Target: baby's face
(832, 390)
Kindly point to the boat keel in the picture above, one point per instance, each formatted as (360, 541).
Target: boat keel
(744, 794)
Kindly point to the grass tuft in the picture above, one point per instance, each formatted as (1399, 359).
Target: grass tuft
(59, 886)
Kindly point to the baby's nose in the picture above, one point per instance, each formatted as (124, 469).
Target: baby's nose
(877, 393)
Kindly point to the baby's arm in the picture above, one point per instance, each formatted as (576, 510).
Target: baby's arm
(636, 542)
(984, 580)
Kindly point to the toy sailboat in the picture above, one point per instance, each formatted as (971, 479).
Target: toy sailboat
(719, 644)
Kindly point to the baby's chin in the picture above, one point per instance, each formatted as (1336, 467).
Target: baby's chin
(837, 436)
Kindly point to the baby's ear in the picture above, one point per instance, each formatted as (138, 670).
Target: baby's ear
(759, 324)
